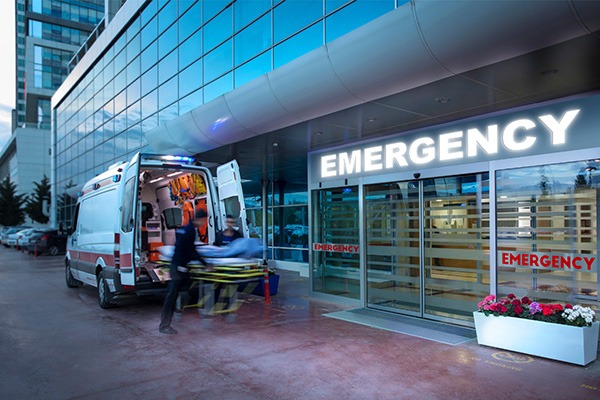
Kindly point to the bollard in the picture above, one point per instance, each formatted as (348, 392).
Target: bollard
(266, 287)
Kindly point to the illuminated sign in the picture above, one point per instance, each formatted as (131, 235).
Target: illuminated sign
(515, 136)
(572, 262)
(340, 248)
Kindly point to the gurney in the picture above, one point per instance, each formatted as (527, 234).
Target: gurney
(223, 274)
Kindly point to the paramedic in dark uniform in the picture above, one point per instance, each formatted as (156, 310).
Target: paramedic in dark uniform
(185, 251)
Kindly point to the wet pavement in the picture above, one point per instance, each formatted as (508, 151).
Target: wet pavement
(56, 343)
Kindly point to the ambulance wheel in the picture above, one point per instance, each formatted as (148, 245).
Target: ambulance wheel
(104, 295)
(71, 282)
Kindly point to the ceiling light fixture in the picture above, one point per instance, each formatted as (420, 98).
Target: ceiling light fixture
(371, 119)
(442, 100)
(157, 179)
(275, 144)
(318, 133)
(550, 71)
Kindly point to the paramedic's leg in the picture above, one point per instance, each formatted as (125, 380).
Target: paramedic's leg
(169, 304)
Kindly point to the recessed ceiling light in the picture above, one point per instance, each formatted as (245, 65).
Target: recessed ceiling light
(318, 133)
(275, 144)
(442, 100)
(371, 119)
(550, 71)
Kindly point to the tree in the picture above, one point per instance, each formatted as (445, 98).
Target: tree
(11, 204)
(34, 204)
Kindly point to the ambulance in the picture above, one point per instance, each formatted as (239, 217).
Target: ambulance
(124, 215)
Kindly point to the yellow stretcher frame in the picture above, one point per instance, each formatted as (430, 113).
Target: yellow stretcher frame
(205, 277)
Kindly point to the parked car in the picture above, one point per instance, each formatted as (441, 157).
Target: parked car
(13, 238)
(49, 241)
(10, 231)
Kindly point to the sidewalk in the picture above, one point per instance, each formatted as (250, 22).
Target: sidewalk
(56, 343)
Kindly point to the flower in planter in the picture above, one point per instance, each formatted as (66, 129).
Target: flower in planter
(511, 306)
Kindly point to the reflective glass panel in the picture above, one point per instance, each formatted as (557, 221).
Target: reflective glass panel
(354, 15)
(456, 244)
(247, 11)
(167, 41)
(167, 67)
(298, 45)
(190, 21)
(218, 61)
(190, 50)
(253, 40)
(190, 102)
(149, 56)
(212, 7)
(335, 217)
(253, 68)
(293, 15)
(547, 232)
(218, 87)
(167, 15)
(218, 30)
(190, 79)
(168, 93)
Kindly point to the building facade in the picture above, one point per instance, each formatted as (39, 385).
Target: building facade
(272, 83)
(48, 33)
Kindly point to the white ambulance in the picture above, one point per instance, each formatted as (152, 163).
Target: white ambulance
(125, 214)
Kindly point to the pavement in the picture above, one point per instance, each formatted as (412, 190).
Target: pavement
(56, 343)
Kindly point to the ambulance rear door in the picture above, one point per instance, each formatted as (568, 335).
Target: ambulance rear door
(126, 243)
(231, 196)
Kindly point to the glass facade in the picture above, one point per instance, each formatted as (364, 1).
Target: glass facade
(177, 55)
(57, 33)
(335, 257)
(287, 222)
(49, 66)
(548, 221)
(86, 12)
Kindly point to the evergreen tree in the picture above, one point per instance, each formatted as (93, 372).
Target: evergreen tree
(35, 202)
(11, 204)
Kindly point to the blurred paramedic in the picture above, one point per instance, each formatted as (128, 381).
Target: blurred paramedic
(185, 251)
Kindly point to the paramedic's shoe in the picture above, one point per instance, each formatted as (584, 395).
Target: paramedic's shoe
(168, 330)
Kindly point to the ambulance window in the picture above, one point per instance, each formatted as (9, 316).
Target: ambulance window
(73, 227)
(232, 206)
(127, 210)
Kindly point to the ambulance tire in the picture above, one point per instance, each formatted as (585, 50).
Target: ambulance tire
(71, 282)
(104, 295)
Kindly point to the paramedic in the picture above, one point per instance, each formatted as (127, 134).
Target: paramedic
(185, 251)
(229, 234)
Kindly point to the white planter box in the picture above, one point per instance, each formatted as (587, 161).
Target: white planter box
(573, 344)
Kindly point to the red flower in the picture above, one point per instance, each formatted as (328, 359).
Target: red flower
(547, 311)
(568, 305)
(511, 296)
(525, 300)
(503, 309)
(518, 310)
(516, 302)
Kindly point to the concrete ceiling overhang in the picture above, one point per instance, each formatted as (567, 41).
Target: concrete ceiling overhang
(414, 45)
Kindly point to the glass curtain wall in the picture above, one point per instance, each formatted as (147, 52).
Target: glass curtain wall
(175, 56)
(548, 232)
(335, 256)
(428, 245)
(287, 222)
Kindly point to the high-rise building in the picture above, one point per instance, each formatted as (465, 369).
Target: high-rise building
(392, 126)
(48, 33)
